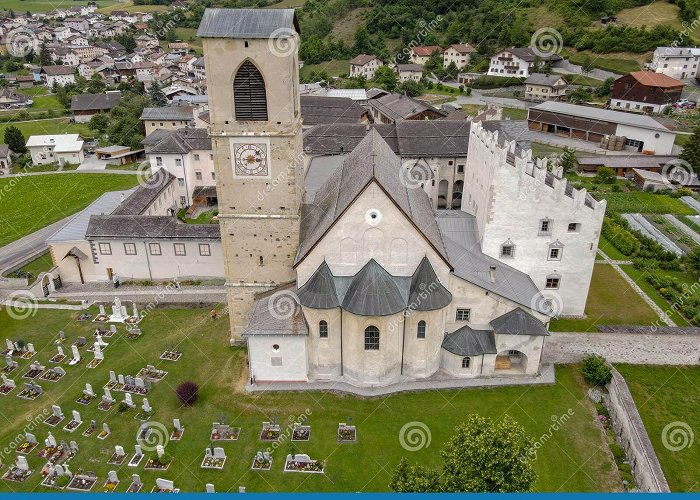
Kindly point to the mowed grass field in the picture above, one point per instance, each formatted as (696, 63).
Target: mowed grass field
(21, 6)
(668, 398)
(34, 201)
(611, 301)
(48, 127)
(574, 458)
(645, 203)
(653, 14)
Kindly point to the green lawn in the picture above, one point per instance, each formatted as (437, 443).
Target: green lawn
(48, 126)
(35, 267)
(670, 396)
(582, 80)
(514, 113)
(618, 65)
(572, 458)
(34, 201)
(641, 202)
(610, 250)
(611, 301)
(639, 278)
(333, 68)
(129, 6)
(22, 6)
(46, 102)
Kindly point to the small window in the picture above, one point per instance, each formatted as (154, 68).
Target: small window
(211, 156)
(323, 329)
(178, 162)
(154, 248)
(555, 253)
(179, 249)
(466, 362)
(198, 176)
(460, 169)
(196, 157)
(552, 283)
(182, 200)
(159, 161)
(421, 329)
(181, 181)
(574, 227)
(105, 249)
(204, 249)
(213, 176)
(130, 248)
(545, 227)
(371, 338)
(463, 314)
(275, 347)
(507, 250)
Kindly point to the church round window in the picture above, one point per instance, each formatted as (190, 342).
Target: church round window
(373, 217)
(275, 347)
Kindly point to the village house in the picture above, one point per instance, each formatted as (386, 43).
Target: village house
(393, 108)
(677, 62)
(421, 54)
(169, 118)
(412, 72)
(59, 75)
(519, 62)
(61, 148)
(364, 65)
(541, 87)
(645, 91)
(458, 53)
(5, 159)
(85, 106)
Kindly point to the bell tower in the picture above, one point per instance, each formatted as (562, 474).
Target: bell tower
(252, 68)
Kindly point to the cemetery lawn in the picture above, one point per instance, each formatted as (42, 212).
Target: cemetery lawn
(34, 201)
(573, 458)
(666, 395)
(35, 266)
(611, 301)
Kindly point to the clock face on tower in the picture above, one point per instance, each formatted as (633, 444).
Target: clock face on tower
(250, 159)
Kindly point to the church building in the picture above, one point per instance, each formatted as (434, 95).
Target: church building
(350, 274)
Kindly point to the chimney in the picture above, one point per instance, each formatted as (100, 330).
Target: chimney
(492, 273)
(121, 198)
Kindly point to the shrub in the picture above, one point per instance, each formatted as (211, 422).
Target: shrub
(596, 370)
(187, 392)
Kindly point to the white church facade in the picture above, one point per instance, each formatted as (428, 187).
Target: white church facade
(347, 272)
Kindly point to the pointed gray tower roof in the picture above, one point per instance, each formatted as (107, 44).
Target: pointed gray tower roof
(518, 322)
(319, 291)
(427, 293)
(373, 292)
(248, 23)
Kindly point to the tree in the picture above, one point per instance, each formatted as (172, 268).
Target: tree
(386, 78)
(99, 122)
(125, 126)
(691, 150)
(596, 370)
(127, 40)
(452, 71)
(96, 85)
(567, 160)
(156, 95)
(411, 88)
(15, 140)
(604, 175)
(188, 393)
(363, 43)
(481, 456)
(587, 64)
(44, 55)
(581, 94)
(605, 88)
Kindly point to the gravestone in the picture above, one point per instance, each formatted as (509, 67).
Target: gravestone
(88, 390)
(129, 380)
(107, 398)
(210, 488)
(119, 451)
(139, 383)
(113, 329)
(60, 351)
(136, 480)
(137, 450)
(112, 377)
(219, 453)
(8, 382)
(176, 424)
(76, 416)
(128, 401)
(160, 450)
(9, 345)
(51, 441)
(31, 438)
(62, 335)
(74, 447)
(102, 310)
(59, 470)
(105, 428)
(21, 463)
(165, 484)
(76, 355)
(146, 407)
(30, 348)
(120, 378)
(57, 412)
(112, 476)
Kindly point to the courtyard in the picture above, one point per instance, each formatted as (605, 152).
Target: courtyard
(573, 458)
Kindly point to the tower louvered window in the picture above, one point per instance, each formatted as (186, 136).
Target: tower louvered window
(250, 98)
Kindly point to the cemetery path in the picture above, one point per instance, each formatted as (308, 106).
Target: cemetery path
(24, 249)
(160, 294)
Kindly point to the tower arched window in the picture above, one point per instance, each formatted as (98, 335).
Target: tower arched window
(323, 329)
(421, 329)
(249, 95)
(371, 338)
(466, 362)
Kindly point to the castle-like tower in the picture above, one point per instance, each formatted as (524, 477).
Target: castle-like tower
(252, 71)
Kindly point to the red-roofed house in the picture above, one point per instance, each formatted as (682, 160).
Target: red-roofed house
(420, 55)
(645, 91)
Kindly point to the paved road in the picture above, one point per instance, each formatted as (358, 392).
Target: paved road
(17, 252)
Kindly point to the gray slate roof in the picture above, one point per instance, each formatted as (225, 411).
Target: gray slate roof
(145, 194)
(182, 141)
(518, 322)
(461, 237)
(469, 342)
(263, 321)
(371, 161)
(320, 109)
(373, 292)
(513, 130)
(168, 113)
(148, 227)
(319, 291)
(427, 293)
(432, 138)
(543, 79)
(529, 55)
(248, 23)
(4, 150)
(94, 102)
(401, 107)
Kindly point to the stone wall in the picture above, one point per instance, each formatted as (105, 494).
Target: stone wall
(633, 437)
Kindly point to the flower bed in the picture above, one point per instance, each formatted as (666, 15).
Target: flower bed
(54, 420)
(134, 488)
(270, 433)
(93, 363)
(89, 431)
(6, 389)
(57, 358)
(33, 373)
(84, 317)
(17, 475)
(213, 463)
(142, 415)
(153, 375)
(110, 486)
(171, 355)
(53, 481)
(51, 376)
(176, 435)
(135, 460)
(72, 425)
(302, 463)
(301, 433)
(84, 399)
(262, 463)
(8, 369)
(347, 433)
(224, 433)
(82, 483)
(48, 451)
(116, 459)
(29, 394)
(105, 405)
(101, 318)
(103, 434)
(26, 447)
(158, 463)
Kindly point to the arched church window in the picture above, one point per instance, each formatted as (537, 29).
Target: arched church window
(466, 362)
(371, 338)
(421, 329)
(249, 96)
(323, 329)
